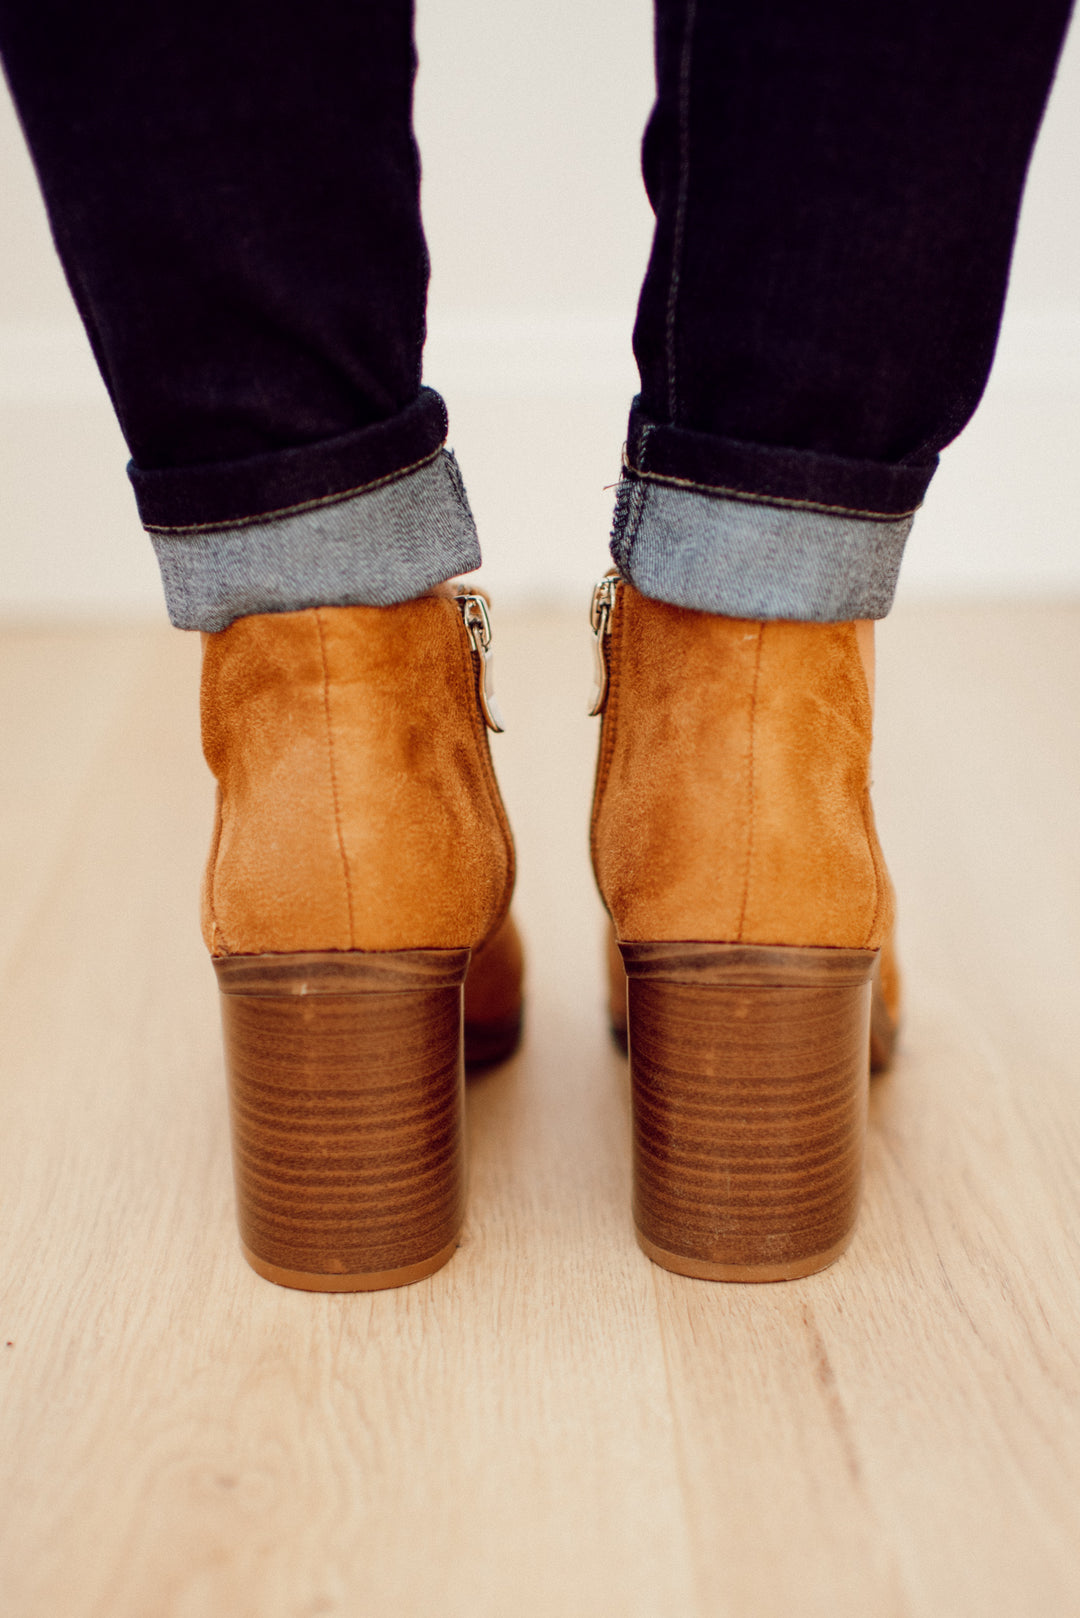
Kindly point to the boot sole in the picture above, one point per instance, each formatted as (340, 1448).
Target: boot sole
(749, 1072)
(346, 1090)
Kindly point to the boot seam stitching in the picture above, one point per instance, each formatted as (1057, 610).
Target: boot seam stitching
(750, 765)
(216, 932)
(878, 888)
(869, 830)
(333, 774)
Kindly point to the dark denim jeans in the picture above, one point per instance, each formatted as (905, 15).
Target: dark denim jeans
(234, 192)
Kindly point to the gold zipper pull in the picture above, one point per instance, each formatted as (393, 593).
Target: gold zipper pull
(474, 611)
(603, 605)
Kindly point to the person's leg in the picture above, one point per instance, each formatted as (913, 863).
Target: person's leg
(836, 191)
(234, 192)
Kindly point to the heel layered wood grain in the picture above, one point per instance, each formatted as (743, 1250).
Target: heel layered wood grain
(749, 1071)
(347, 1102)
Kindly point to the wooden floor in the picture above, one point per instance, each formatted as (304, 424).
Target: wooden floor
(551, 1425)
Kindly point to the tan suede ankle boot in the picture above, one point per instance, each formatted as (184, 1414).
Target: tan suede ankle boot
(734, 845)
(361, 859)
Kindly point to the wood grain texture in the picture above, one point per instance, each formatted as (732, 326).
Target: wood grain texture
(347, 1114)
(550, 1424)
(749, 1072)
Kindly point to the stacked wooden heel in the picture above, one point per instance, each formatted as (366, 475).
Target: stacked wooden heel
(346, 1090)
(749, 1075)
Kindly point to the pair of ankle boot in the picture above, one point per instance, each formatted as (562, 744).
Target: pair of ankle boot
(356, 905)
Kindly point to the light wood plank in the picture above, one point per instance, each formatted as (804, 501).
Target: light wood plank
(59, 691)
(551, 1424)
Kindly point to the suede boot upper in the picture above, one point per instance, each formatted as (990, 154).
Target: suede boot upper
(357, 806)
(733, 786)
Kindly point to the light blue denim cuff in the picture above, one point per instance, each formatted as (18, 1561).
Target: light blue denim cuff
(752, 558)
(372, 547)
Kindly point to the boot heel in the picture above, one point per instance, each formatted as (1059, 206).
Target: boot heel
(347, 1100)
(749, 1068)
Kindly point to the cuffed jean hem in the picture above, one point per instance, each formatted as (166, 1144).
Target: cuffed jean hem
(283, 481)
(750, 558)
(835, 484)
(761, 530)
(384, 544)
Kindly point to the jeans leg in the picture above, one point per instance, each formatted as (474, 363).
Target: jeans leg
(836, 189)
(234, 194)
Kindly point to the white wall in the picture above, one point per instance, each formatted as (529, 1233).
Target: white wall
(529, 120)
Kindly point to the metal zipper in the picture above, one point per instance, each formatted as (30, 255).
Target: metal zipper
(477, 620)
(603, 605)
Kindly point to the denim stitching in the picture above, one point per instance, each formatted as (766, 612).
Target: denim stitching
(629, 508)
(638, 502)
(635, 474)
(619, 522)
(643, 446)
(457, 482)
(305, 505)
(630, 500)
(680, 206)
